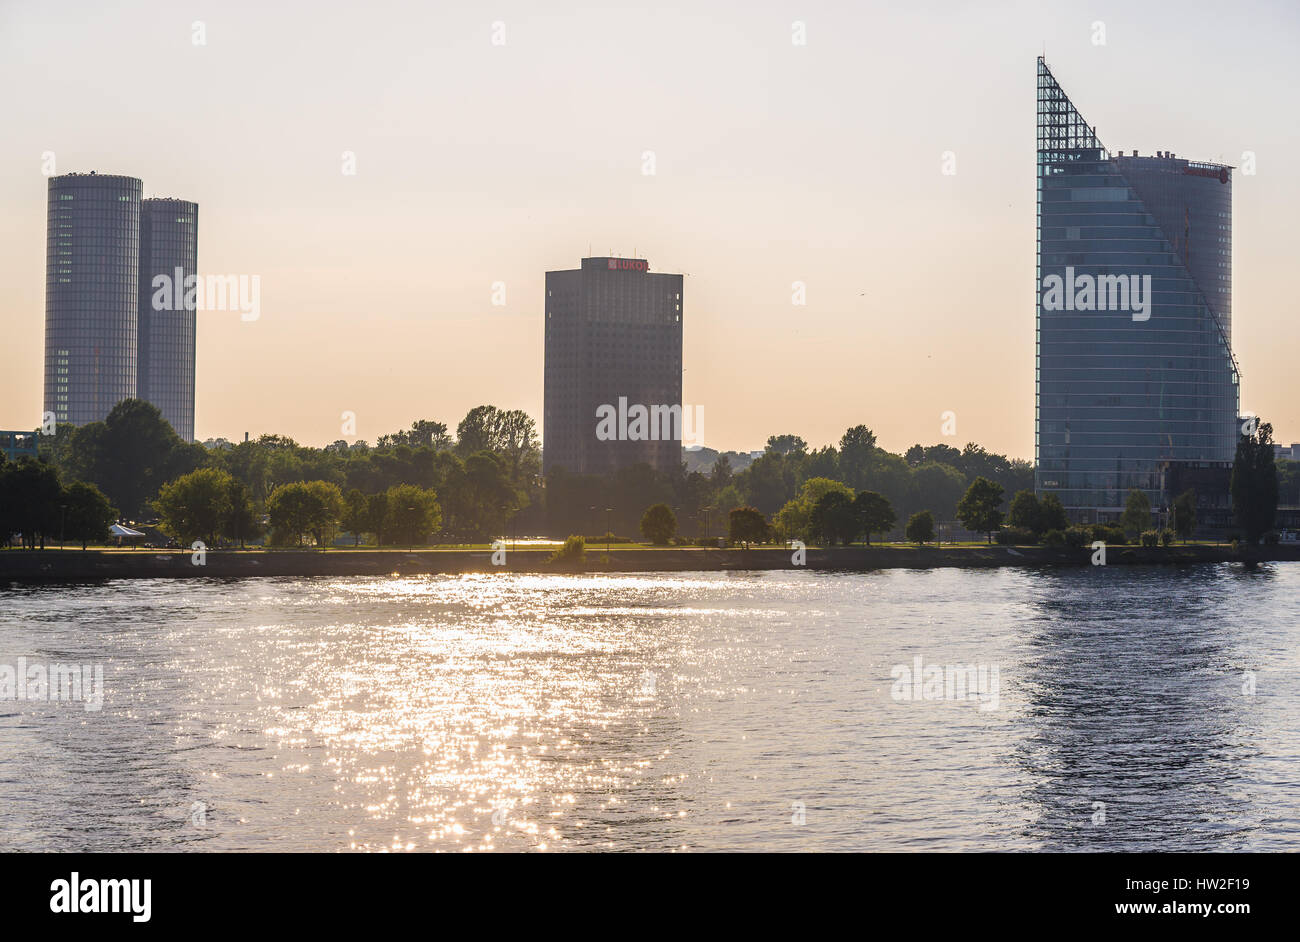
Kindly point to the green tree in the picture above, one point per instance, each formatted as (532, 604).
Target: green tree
(1136, 518)
(327, 508)
(822, 463)
(478, 497)
(376, 521)
(746, 525)
(938, 454)
(429, 434)
(1052, 515)
(423, 434)
(980, 508)
(512, 435)
(786, 444)
(573, 550)
(284, 466)
(721, 474)
(792, 519)
(294, 510)
(478, 430)
(1026, 512)
(131, 454)
(195, 506)
(413, 514)
(356, 515)
(813, 490)
(30, 494)
(890, 477)
(833, 518)
(1288, 482)
(920, 527)
(1185, 514)
(728, 499)
(768, 482)
(874, 512)
(1254, 483)
(243, 522)
(88, 513)
(937, 486)
(658, 525)
(857, 451)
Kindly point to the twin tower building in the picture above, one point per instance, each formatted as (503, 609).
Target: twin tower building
(104, 339)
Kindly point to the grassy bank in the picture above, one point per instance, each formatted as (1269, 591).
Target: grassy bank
(92, 565)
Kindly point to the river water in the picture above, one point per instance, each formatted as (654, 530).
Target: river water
(1116, 708)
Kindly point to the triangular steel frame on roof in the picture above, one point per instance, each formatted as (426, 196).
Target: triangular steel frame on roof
(1062, 132)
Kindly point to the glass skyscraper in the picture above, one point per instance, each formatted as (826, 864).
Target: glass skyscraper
(1135, 380)
(92, 275)
(165, 372)
(104, 342)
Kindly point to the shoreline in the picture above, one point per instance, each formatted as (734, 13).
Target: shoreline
(38, 566)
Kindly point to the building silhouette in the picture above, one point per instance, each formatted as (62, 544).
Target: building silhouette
(91, 294)
(166, 351)
(613, 349)
(1136, 383)
(104, 341)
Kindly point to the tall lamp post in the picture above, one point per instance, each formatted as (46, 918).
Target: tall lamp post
(608, 511)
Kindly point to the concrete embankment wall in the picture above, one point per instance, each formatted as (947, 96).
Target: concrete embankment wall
(75, 566)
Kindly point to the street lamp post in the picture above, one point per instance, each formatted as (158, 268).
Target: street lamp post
(608, 511)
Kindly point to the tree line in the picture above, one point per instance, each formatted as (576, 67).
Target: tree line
(485, 481)
(37, 504)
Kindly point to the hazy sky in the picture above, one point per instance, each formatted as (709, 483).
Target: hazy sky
(775, 162)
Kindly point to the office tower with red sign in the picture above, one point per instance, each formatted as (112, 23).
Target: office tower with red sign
(613, 384)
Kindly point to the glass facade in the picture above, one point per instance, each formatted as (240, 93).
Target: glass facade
(1135, 372)
(613, 331)
(169, 248)
(104, 342)
(91, 294)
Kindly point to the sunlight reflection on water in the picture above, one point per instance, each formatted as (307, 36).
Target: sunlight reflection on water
(659, 712)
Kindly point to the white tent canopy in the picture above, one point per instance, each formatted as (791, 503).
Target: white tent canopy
(118, 530)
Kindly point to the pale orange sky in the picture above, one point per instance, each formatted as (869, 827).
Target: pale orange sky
(478, 163)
